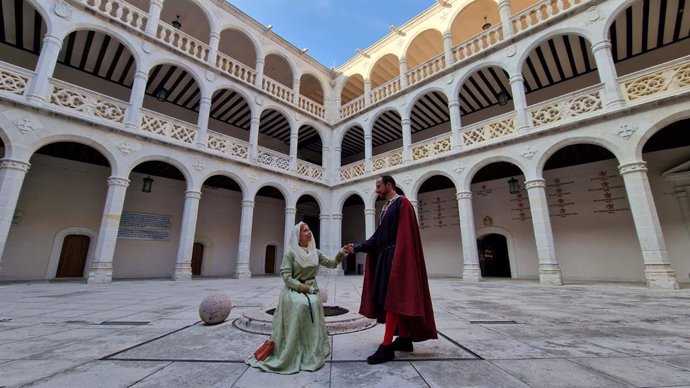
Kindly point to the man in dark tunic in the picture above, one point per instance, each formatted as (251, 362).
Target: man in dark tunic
(396, 289)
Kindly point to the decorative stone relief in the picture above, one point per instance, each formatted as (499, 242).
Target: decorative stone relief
(366, 189)
(459, 168)
(218, 14)
(407, 180)
(252, 177)
(127, 147)
(593, 16)
(27, 124)
(294, 187)
(62, 9)
(210, 75)
(528, 152)
(259, 100)
(449, 79)
(626, 131)
(199, 165)
(146, 47)
(511, 50)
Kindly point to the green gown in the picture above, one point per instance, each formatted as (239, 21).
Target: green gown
(299, 333)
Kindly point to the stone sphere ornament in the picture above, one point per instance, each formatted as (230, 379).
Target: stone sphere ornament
(215, 308)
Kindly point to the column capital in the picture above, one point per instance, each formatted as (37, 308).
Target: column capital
(260, 60)
(323, 216)
(447, 35)
(247, 203)
(601, 45)
(463, 195)
(192, 194)
(52, 39)
(403, 60)
(14, 165)
(627, 168)
(516, 78)
(205, 100)
(367, 81)
(158, 3)
(503, 3)
(215, 35)
(118, 181)
(540, 182)
(290, 210)
(453, 102)
(406, 121)
(367, 136)
(338, 148)
(255, 120)
(369, 212)
(142, 75)
(337, 216)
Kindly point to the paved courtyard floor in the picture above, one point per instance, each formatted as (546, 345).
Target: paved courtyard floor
(499, 333)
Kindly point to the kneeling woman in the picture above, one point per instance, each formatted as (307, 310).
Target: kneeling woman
(299, 328)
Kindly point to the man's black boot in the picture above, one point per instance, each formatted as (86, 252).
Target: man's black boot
(402, 344)
(383, 354)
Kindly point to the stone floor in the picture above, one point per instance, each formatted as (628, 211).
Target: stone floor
(500, 333)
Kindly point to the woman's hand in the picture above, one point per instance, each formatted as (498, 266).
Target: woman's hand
(305, 289)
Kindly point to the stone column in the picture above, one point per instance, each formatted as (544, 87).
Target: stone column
(455, 123)
(202, 122)
(336, 241)
(683, 195)
(520, 102)
(326, 161)
(369, 221)
(213, 42)
(336, 164)
(289, 224)
(295, 89)
(101, 270)
(259, 73)
(155, 7)
(504, 13)
(183, 268)
(403, 72)
(245, 242)
(471, 272)
(658, 271)
(12, 174)
(254, 136)
(38, 91)
(607, 73)
(549, 271)
(367, 153)
(447, 48)
(407, 139)
(136, 101)
(367, 92)
(294, 140)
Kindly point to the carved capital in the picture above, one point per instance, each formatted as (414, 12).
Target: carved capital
(324, 217)
(632, 167)
(535, 183)
(192, 194)
(369, 212)
(337, 216)
(118, 181)
(463, 195)
(14, 165)
(290, 210)
(248, 204)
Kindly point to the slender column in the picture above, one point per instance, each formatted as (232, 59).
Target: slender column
(38, 90)
(155, 7)
(403, 72)
(367, 152)
(367, 92)
(12, 174)
(683, 195)
(607, 73)
(369, 221)
(504, 13)
(518, 89)
(471, 272)
(407, 139)
(289, 224)
(213, 42)
(254, 136)
(294, 139)
(245, 242)
(101, 270)
(183, 268)
(136, 101)
(259, 73)
(295, 89)
(336, 240)
(447, 48)
(202, 123)
(658, 271)
(337, 157)
(455, 123)
(326, 161)
(549, 271)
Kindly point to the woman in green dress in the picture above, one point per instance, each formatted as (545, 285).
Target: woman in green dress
(299, 328)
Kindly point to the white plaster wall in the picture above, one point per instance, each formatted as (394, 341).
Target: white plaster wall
(218, 228)
(268, 227)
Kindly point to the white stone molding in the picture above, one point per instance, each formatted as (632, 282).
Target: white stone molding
(531, 184)
(632, 167)
(463, 195)
(118, 181)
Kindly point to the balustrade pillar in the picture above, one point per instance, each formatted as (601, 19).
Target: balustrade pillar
(658, 271)
(12, 174)
(407, 140)
(289, 224)
(367, 92)
(183, 266)
(214, 40)
(607, 73)
(136, 101)
(259, 73)
(520, 101)
(549, 270)
(38, 90)
(447, 48)
(504, 13)
(101, 270)
(471, 271)
(254, 136)
(369, 221)
(403, 72)
(202, 123)
(155, 7)
(455, 123)
(367, 152)
(242, 270)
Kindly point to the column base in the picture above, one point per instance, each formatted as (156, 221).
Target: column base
(472, 274)
(100, 273)
(550, 275)
(242, 272)
(183, 272)
(661, 276)
(615, 103)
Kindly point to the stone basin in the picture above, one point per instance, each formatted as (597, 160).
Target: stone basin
(338, 321)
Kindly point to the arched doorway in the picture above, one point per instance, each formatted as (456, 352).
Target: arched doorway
(493, 256)
(75, 249)
(197, 258)
(270, 259)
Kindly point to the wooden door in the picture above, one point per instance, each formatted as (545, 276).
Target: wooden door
(270, 261)
(197, 257)
(75, 248)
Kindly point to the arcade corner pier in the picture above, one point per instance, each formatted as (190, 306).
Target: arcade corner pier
(543, 140)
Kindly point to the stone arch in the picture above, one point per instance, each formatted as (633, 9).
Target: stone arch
(656, 127)
(418, 59)
(56, 250)
(544, 38)
(486, 230)
(227, 32)
(556, 146)
(87, 141)
(473, 11)
(180, 165)
(474, 168)
(428, 174)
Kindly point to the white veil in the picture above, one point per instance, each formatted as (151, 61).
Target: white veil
(305, 257)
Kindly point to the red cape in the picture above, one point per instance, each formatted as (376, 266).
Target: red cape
(408, 288)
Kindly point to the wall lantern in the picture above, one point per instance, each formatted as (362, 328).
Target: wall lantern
(176, 23)
(486, 25)
(161, 94)
(148, 182)
(513, 186)
(502, 98)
